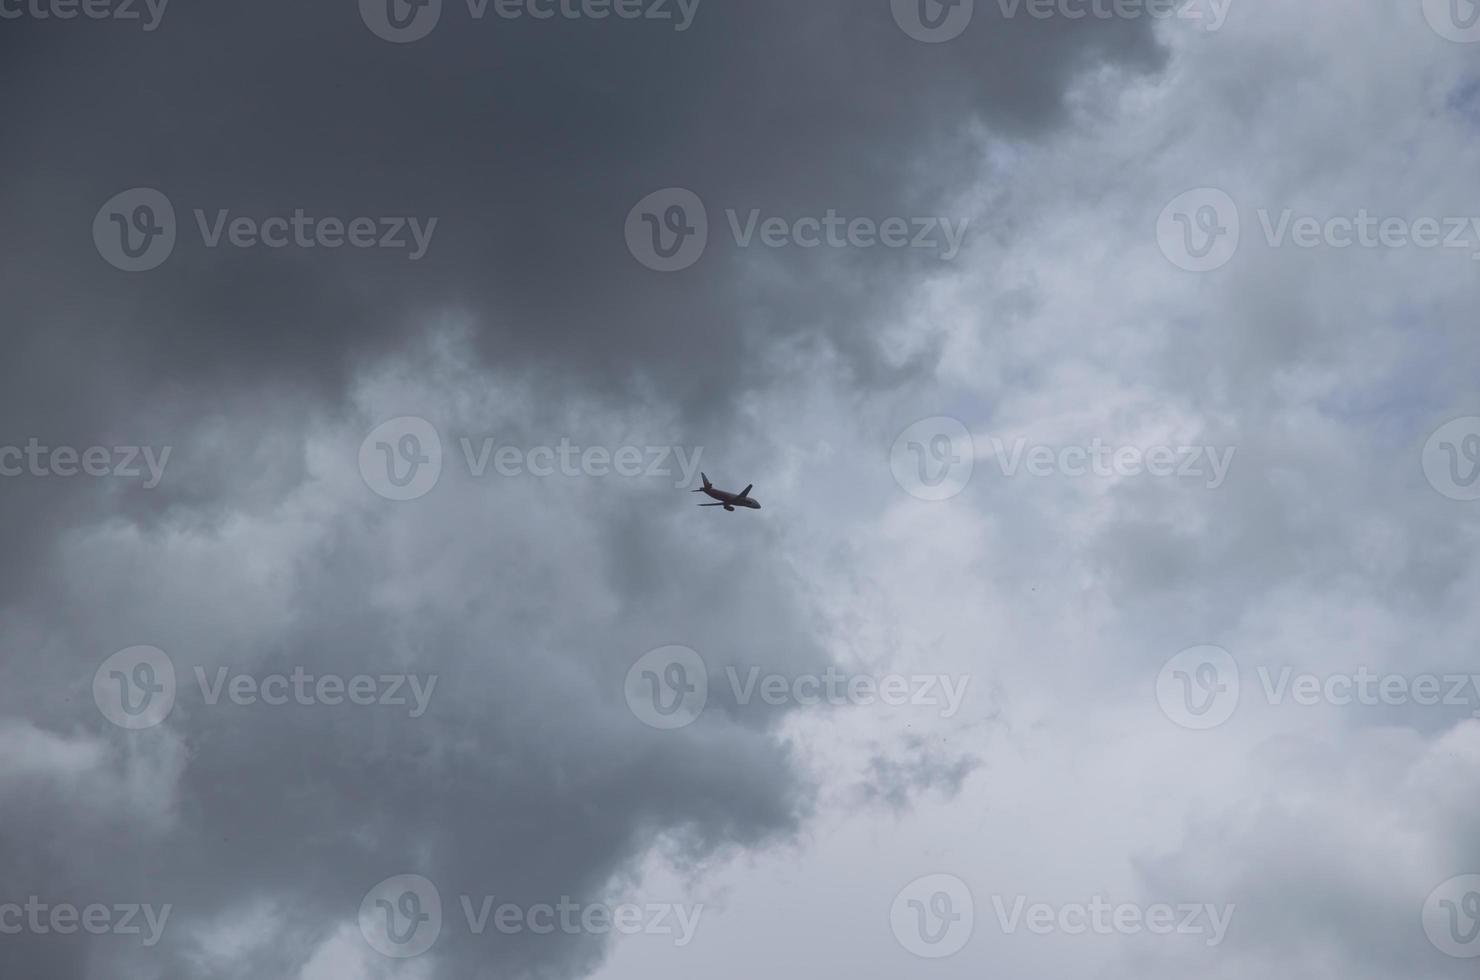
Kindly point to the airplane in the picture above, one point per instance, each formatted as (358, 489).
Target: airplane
(729, 501)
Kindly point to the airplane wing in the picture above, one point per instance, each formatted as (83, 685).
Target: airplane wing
(745, 493)
(713, 505)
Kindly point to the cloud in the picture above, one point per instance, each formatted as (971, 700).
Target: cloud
(266, 551)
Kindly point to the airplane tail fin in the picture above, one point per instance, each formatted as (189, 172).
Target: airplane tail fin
(707, 485)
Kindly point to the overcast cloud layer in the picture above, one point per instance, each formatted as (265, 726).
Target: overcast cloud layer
(1108, 381)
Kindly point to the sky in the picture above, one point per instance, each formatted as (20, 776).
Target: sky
(1105, 371)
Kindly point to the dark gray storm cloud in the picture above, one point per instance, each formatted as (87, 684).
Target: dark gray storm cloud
(529, 142)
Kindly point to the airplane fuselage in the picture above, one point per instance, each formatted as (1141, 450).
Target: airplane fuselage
(732, 500)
